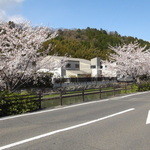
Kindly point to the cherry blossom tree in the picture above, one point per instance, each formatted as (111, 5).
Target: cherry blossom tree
(19, 46)
(130, 60)
(109, 69)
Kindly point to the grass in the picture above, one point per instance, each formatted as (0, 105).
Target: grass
(69, 93)
(90, 97)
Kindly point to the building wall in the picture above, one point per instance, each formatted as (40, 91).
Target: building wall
(69, 74)
(73, 65)
(85, 67)
(82, 66)
(96, 67)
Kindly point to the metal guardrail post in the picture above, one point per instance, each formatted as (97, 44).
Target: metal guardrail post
(114, 90)
(61, 102)
(100, 92)
(83, 95)
(40, 100)
(125, 87)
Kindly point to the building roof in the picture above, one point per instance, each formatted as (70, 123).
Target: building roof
(67, 59)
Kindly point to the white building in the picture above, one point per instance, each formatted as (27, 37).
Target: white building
(76, 67)
(96, 67)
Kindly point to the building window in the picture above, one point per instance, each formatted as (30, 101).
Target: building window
(76, 65)
(101, 67)
(68, 66)
(93, 66)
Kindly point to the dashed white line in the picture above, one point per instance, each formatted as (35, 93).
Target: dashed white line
(148, 118)
(62, 130)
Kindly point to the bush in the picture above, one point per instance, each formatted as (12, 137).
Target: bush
(60, 80)
(43, 80)
(15, 103)
(144, 86)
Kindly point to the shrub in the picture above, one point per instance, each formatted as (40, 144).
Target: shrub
(60, 80)
(15, 103)
(144, 86)
(43, 80)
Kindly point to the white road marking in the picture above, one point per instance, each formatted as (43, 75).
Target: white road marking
(148, 118)
(62, 130)
(139, 93)
(50, 110)
(81, 104)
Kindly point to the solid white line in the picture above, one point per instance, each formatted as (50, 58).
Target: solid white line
(134, 94)
(148, 118)
(81, 104)
(62, 130)
(50, 110)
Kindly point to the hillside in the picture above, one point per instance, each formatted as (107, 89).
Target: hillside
(88, 43)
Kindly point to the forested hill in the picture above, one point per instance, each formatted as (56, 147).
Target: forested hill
(88, 43)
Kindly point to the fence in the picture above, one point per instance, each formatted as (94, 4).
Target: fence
(65, 82)
(83, 79)
(27, 103)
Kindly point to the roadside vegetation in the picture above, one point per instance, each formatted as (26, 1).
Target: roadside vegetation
(17, 103)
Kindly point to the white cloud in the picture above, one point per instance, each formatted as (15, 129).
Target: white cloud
(4, 4)
(8, 5)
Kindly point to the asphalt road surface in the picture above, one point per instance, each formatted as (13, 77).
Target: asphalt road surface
(120, 123)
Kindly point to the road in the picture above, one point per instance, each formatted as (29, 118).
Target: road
(120, 123)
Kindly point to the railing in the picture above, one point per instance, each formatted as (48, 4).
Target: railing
(34, 102)
(82, 92)
(83, 79)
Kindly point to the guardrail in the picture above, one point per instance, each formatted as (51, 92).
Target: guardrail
(82, 92)
(83, 79)
(34, 101)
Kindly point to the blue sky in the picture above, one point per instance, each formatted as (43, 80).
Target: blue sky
(128, 17)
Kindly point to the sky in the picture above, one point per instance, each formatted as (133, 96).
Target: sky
(127, 17)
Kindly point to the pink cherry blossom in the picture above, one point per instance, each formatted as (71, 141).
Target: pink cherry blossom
(19, 45)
